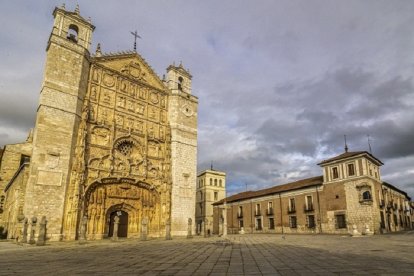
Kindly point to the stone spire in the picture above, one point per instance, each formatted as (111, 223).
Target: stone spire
(77, 9)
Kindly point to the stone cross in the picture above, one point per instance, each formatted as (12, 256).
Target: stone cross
(82, 230)
(190, 228)
(41, 238)
(24, 231)
(32, 230)
(168, 229)
(144, 229)
(115, 232)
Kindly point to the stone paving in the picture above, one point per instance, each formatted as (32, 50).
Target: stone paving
(266, 254)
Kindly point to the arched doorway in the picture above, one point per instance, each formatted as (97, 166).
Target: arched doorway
(122, 226)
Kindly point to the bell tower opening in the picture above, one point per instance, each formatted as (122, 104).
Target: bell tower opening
(73, 33)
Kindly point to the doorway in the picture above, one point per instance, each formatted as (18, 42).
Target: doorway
(122, 226)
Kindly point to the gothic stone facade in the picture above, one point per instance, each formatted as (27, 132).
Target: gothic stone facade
(349, 197)
(111, 139)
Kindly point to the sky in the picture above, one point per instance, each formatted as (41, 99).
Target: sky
(279, 82)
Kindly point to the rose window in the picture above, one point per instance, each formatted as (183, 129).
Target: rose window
(125, 148)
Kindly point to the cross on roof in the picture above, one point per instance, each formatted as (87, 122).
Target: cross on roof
(135, 34)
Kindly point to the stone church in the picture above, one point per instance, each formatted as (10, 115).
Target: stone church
(112, 141)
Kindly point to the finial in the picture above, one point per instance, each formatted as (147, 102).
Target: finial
(211, 165)
(98, 51)
(63, 6)
(89, 19)
(163, 77)
(77, 9)
(346, 146)
(181, 64)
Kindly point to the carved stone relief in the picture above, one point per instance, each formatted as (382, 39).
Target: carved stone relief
(100, 136)
(108, 79)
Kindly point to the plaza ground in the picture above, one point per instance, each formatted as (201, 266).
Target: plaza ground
(259, 254)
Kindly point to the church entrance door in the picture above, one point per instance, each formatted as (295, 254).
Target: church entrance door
(122, 226)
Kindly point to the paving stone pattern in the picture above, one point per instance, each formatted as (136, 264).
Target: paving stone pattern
(390, 254)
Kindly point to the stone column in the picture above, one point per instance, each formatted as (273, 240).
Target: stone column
(115, 232)
(168, 229)
(202, 229)
(205, 228)
(32, 230)
(144, 229)
(82, 230)
(24, 230)
(41, 238)
(225, 220)
(189, 229)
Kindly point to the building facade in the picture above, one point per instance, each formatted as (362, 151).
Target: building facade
(111, 139)
(211, 187)
(349, 197)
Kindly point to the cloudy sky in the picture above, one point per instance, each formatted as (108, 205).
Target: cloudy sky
(279, 82)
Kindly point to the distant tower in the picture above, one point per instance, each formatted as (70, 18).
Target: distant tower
(58, 116)
(183, 120)
(211, 187)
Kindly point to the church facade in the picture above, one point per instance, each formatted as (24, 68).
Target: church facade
(111, 139)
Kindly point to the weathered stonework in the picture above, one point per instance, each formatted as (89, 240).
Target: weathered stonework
(112, 143)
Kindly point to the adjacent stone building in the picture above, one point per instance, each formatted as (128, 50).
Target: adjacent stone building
(211, 187)
(349, 197)
(111, 139)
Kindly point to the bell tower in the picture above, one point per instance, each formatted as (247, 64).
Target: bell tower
(58, 115)
(182, 108)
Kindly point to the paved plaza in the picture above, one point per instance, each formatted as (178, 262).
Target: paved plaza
(266, 254)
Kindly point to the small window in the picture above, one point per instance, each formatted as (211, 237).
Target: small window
(258, 209)
(335, 174)
(351, 169)
(240, 212)
(241, 223)
(215, 196)
(340, 221)
(259, 224)
(309, 203)
(211, 181)
(310, 221)
(292, 207)
(270, 208)
(73, 33)
(293, 222)
(220, 183)
(271, 223)
(201, 195)
(215, 182)
(180, 83)
(366, 195)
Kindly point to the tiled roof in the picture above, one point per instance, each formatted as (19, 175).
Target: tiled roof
(303, 183)
(350, 154)
(396, 189)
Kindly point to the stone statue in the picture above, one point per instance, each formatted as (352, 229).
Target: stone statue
(190, 228)
(168, 229)
(144, 229)
(82, 230)
(41, 238)
(115, 232)
(33, 230)
(24, 231)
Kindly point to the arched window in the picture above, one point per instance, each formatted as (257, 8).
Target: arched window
(211, 181)
(73, 33)
(215, 182)
(220, 183)
(180, 83)
(366, 195)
